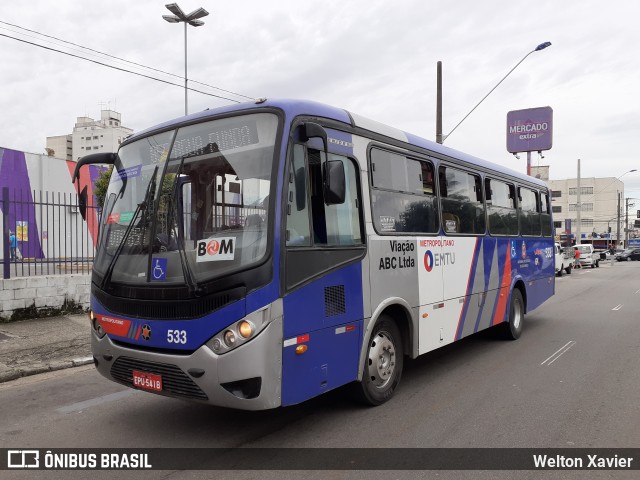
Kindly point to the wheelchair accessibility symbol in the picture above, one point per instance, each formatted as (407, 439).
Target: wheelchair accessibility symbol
(159, 269)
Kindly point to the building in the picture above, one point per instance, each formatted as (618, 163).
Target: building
(60, 147)
(90, 136)
(600, 201)
(40, 205)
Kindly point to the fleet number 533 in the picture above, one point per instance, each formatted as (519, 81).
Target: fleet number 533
(177, 336)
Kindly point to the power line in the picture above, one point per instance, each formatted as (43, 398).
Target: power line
(118, 58)
(109, 56)
(117, 68)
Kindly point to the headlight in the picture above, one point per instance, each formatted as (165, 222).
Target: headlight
(229, 338)
(240, 332)
(245, 329)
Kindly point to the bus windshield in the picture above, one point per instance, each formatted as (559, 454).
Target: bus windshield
(190, 204)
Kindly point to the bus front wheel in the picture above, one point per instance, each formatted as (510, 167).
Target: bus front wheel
(513, 328)
(383, 363)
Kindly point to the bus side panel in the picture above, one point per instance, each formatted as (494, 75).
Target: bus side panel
(326, 316)
(331, 360)
(538, 292)
(532, 259)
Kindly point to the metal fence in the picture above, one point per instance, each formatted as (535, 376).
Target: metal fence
(44, 234)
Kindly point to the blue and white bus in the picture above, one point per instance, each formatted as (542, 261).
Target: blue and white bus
(258, 255)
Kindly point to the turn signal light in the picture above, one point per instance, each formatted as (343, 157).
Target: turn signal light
(300, 349)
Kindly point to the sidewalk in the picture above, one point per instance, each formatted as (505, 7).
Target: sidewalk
(41, 345)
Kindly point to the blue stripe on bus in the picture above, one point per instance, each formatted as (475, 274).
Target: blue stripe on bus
(468, 293)
(488, 254)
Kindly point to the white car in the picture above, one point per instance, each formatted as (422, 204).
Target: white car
(588, 257)
(563, 262)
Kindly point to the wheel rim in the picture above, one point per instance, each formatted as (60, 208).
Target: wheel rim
(517, 314)
(382, 359)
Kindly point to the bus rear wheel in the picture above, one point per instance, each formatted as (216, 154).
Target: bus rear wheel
(383, 363)
(513, 328)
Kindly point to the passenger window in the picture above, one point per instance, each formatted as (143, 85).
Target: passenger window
(298, 230)
(403, 194)
(529, 212)
(338, 224)
(501, 207)
(545, 215)
(462, 202)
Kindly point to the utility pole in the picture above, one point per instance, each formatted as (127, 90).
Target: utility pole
(626, 222)
(439, 102)
(579, 219)
(618, 232)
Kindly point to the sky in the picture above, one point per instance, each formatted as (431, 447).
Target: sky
(376, 58)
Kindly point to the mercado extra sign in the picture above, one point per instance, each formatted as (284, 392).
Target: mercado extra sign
(530, 130)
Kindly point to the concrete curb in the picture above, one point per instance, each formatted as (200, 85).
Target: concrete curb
(8, 374)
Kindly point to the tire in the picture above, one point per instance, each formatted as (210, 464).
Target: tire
(560, 271)
(383, 363)
(513, 328)
(568, 270)
(597, 263)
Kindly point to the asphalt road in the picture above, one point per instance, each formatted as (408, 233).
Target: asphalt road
(571, 380)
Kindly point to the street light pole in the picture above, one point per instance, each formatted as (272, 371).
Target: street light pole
(579, 219)
(440, 138)
(191, 19)
(618, 229)
(626, 220)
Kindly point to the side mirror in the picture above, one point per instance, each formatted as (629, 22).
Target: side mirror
(103, 158)
(82, 203)
(334, 182)
(310, 130)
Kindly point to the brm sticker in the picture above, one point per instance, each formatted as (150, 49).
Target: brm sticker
(213, 250)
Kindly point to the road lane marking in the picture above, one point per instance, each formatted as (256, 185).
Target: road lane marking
(616, 308)
(557, 354)
(637, 292)
(76, 407)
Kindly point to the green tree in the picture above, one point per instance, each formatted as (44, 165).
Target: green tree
(102, 184)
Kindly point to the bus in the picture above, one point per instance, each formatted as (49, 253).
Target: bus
(258, 255)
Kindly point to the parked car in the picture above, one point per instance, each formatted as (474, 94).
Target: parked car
(628, 254)
(564, 261)
(588, 257)
(604, 254)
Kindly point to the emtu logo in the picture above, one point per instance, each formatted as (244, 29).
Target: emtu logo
(428, 261)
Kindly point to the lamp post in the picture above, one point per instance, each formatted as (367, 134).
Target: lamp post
(191, 19)
(440, 138)
(627, 204)
(617, 178)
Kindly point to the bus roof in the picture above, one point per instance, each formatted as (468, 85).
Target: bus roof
(293, 108)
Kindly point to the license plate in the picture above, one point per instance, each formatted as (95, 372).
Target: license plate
(147, 381)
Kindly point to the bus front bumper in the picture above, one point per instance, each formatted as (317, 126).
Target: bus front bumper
(248, 377)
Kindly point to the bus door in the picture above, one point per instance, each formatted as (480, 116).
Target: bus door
(405, 257)
(323, 299)
(469, 259)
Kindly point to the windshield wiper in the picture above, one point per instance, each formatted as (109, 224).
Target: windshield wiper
(187, 273)
(141, 206)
